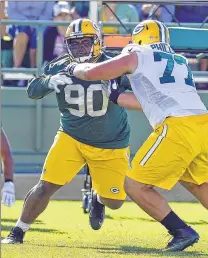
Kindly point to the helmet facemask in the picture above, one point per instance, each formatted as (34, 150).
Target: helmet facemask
(81, 47)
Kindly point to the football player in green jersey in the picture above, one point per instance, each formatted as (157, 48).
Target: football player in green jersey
(92, 131)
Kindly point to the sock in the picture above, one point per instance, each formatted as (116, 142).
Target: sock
(172, 222)
(98, 199)
(22, 225)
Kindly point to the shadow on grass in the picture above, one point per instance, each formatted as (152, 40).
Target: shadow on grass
(47, 245)
(108, 217)
(130, 218)
(5, 227)
(126, 250)
(199, 222)
(136, 249)
(142, 250)
(15, 220)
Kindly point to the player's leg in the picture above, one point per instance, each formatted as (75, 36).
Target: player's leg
(159, 163)
(63, 162)
(195, 179)
(199, 191)
(33, 48)
(20, 44)
(86, 191)
(108, 168)
(147, 198)
(36, 202)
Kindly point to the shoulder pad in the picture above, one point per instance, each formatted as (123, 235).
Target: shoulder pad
(57, 63)
(131, 48)
(108, 54)
(136, 48)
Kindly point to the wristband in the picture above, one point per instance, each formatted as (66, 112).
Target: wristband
(114, 96)
(8, 180)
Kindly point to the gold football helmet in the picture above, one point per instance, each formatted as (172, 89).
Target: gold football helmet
(83, 41)
(150, 31)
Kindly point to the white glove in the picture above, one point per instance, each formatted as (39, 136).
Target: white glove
(8, 194)
(58, 80)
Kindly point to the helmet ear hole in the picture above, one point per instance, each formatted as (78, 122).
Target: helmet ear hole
(140, 42)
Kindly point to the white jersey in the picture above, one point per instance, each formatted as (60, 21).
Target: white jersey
(163, 83)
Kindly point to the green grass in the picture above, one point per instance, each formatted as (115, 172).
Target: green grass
(63, 231)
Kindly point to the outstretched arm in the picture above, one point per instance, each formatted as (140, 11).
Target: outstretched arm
(38, 87)
(6, 155)
(115, 95)
(129, 100)
(8, 189)
(110, 69)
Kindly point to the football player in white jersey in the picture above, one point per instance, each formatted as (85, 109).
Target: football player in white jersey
(177, 149)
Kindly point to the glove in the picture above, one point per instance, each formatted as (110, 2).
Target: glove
(57, 80)
(112, 90)
(70, 68)
(8, 194)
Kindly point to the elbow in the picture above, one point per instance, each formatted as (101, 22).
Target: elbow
(30, 96)
(29, 93)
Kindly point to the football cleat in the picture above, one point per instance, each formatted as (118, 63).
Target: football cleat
(97, 213)
(15, 236)
(182, 238)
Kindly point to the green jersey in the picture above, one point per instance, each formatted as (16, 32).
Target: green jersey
(86, 113)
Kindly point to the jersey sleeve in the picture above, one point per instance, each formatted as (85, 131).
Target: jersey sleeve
(142, 54)
(57, 64)
(38, 87)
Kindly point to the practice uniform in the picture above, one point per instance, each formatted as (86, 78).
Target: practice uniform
(92, 130)
(177, 149)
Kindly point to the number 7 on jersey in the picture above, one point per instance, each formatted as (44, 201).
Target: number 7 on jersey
(171, 59)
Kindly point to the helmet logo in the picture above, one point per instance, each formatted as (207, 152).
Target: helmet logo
(95, 26)
(138, 29)
(114, 190)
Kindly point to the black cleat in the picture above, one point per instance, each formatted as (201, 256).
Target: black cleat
(182, 238)
(15, 236)
(97, 213)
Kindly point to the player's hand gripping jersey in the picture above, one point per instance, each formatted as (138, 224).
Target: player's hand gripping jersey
(161, 81)
(86, 113)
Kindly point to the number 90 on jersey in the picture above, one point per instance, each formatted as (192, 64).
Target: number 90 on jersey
(85, 100)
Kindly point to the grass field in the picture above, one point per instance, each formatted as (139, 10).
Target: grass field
(63, 231)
